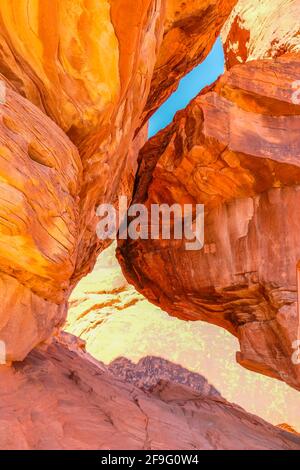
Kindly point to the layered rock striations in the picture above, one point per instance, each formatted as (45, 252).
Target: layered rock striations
(76, 403)
(260, 30)
(78, 82)
(235, 149)
(143, 344)
(85, 69)
(79, 66)
(190, 31)
(40, 176)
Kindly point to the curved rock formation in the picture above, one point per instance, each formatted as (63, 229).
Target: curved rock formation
(143, 344)
(91, 74)
(78, 81)
(260, 30)
(235, 149)
(88, 66)
(190, 31)
(40, 175)
(77, 404)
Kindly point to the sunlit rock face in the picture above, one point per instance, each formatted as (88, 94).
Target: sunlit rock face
(87, 66)
(75, 403)
(142, 344)
(40, 173)
(261, 29)
(190, 31)
(236, 149)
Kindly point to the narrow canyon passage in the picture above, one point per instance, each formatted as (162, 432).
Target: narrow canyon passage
(149, 341)
(126, 332)
(121, 328)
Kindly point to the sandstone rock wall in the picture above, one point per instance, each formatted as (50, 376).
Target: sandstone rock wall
(40, 175)
(81, 79)
(85, 69)
(142, 344)
(190, 31)
(261, 29)
(77, 404)
(235, 149)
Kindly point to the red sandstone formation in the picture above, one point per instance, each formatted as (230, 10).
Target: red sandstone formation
(40, 175)
(77, 404)
(88, 66)
(261, 29)
(190, 31)
(150, 371)
(117, 323)
(81, 80)
(236, 149)
(288, 428)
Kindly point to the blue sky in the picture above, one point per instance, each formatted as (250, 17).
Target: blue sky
(189, 87)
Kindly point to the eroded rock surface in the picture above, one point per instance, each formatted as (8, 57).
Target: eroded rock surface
(81, 78)
(143, 344)
(40, 174)
(235, 149)
(76, 403)
(260, 30)
(87, 66)
(190, 31)
(150, 371)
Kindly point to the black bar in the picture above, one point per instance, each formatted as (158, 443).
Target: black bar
(134, 459)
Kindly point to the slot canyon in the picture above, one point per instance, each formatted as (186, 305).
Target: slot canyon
(141, 344)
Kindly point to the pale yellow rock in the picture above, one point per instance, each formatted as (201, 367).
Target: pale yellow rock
(259, 29)
(63, 55)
